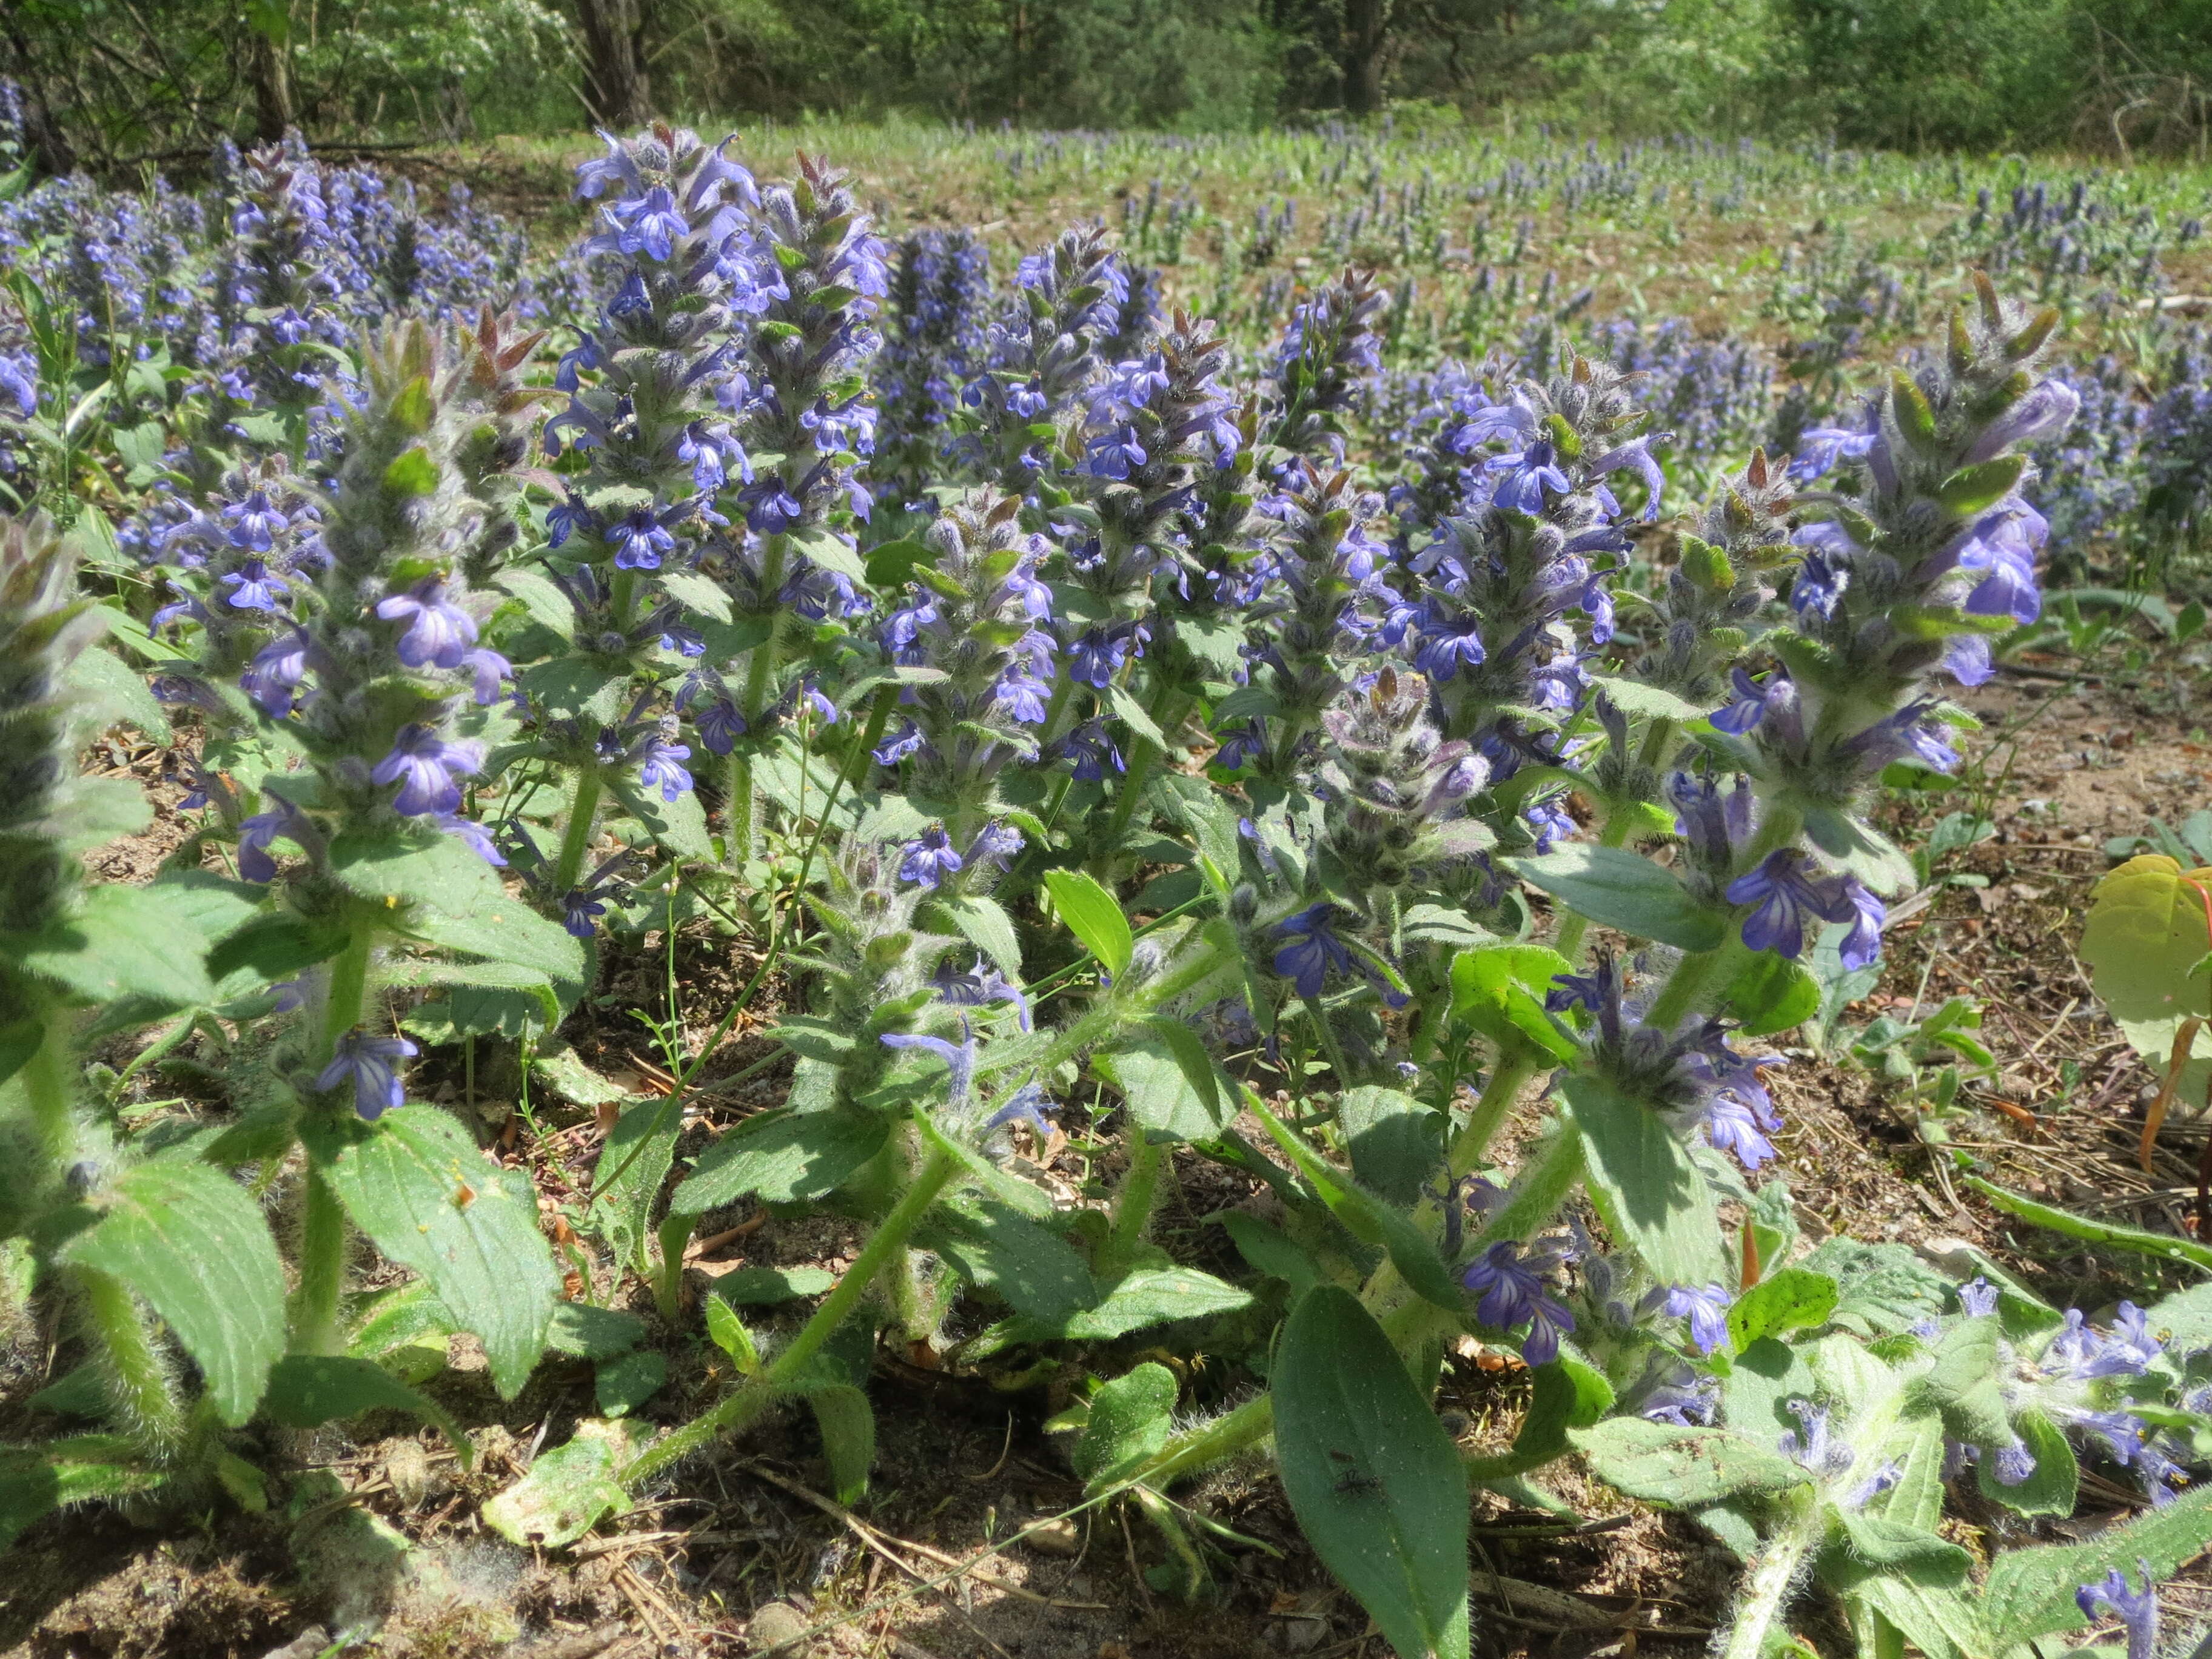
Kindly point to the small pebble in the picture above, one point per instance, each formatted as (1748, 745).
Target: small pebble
(775, 1625)
(1056, 1537)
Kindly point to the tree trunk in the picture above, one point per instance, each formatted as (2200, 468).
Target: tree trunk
(1366, 28)
(274, 113)
(616, 89)
(52, 154)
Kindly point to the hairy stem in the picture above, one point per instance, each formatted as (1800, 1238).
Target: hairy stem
(1542, 1186)
(1132, 1205)
(1507, 1078)
(747, 1402)
(1195, 1448)
(49, 1085)
(349, 989)
(1773, 1575)
(668, 1283)
(576, 838)
(315, 1326)
(739, 842)
(902, 1285)
(137, 1372)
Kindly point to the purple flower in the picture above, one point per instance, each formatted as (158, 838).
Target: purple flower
(425, 766)
(1978, 1299)
(1820, 447)
(581, 910)
(1966, 659)
(2003, 544)
(2138, 1609)
(639, 538)
(1113, 454)
(21, 384)
(1092, 751)
(897, 745)
(1862, 946)
(1098, 656)
(1446, 645)
(1027, 1104)
(1528, 474)
(255, 835)
(1023, 697)
(1547, 819)
(1819, 587)
(771, 509)
(659, 767)
(2047, 409)
(1815, 1448)
(253, 586)
(438, 631)
(719, 725)
(1745, 710)
(929, 861)
(959, 1059)
(567, 517)
(613, 170)
(1908, 734)
(490, 669)
(1740, 1127)
(1513, 1291)
(2079, 1352)
(1790, 895)
(996, 843)
(473, 835)
(1682, 1397)
(1310, 951)
(373, 1065)
(274, 678)
(980, 985)
(254, 524)
(185, 607)
(1706, 1309)
(649, 224)
(1242, 745)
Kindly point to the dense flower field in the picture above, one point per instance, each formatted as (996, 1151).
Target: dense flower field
(1287, 747)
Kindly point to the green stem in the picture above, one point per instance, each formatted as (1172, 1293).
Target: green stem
(668, 1284)
(1170, 708)
(909, 1309)
(1146, 751)
(49, 1085)
(1337, 1063)
(1569, 944)
(1541, 1188)
(1132, 1205)
(749, 1402)
(576, 838)
(137, 1374)
(349, 988)
(315, 1327)
(322, 1221)
(1287, 746)
(1507, 1078)
(1691, 979)
(1772, 1576)
(1195, 1448)
(1062, 686)
(738, 844)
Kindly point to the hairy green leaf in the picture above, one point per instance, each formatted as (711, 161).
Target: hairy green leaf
(1373, 1478)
